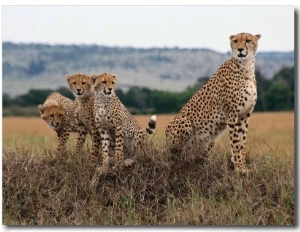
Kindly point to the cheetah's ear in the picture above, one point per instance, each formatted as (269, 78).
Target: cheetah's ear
(116, 80)
(258, 36)
(68, 77)
(93, 78)
(231, 37)
(41, 109)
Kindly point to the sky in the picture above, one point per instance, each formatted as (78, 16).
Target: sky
(197, 26)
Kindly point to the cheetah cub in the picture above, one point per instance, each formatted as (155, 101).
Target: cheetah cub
(58, 112)
(226, 100)
(115, 123)
(81, 87)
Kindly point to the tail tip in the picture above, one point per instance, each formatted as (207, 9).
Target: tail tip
(153, 118)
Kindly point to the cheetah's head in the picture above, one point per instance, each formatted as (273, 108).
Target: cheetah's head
(79, 84)
(104, 83)
(243, 45)
(52, 114)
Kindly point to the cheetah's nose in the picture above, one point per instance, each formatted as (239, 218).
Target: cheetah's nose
(110, 89)
(55, 124)
(240, 49)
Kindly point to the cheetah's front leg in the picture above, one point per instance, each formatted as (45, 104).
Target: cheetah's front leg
(238, 133)
(96, 142)
(119, 147)
(62, 140)
(105, 143)
(81, 136)
(102, 170)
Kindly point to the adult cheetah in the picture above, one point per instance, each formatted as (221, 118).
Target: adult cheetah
(115, 123)
(226, 100)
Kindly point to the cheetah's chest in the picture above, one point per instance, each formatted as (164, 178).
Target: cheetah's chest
(103, 116)
(84, 115)
(101, 112)
(249, 95)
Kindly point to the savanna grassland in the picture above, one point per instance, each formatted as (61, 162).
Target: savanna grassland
(155, 191)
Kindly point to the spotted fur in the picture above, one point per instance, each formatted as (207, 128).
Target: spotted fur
(226, 100)
(115, 122)
(81, 87)
(59, 113)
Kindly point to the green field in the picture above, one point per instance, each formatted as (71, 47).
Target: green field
(155, 191)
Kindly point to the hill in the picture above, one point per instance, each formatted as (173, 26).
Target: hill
(43, 66)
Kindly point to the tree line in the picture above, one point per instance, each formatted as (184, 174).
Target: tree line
(275, 94)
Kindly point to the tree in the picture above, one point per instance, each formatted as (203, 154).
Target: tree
(200, 82)
(263, 85)
(137, 97)
(66, 92)
(279, 97)
(285, 77)
(6, 100)
(164, 102)
(33, 97)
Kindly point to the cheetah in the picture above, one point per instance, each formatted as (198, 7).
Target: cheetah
(59, 113)
(81, 87)
(115, 123)
(226, 100)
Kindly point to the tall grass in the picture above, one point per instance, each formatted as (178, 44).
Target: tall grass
(156, 191)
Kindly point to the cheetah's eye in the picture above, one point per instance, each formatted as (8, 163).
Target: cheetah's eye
(113, 82)
(104, 82)
(74, 83)
(248, 40)
(83, 83)
(52, 115)
(235, 41)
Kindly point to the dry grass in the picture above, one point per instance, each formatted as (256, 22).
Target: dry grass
(39, 191)
(267, 131)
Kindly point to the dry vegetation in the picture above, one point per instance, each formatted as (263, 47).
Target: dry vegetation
(156, 191)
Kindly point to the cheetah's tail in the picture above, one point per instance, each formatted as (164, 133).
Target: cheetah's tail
(151, 125)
